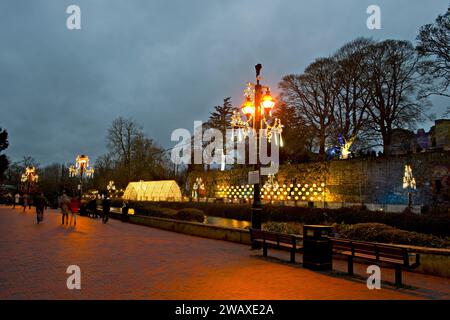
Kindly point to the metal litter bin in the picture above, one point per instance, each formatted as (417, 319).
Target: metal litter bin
(317, 247)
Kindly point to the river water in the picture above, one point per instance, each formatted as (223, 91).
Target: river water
(225, 222)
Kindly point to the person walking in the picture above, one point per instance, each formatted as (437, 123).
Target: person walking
(125, 209)
(92, 208)
(74, 207)
(64, 203)
(25, 201)
(16, 200)
(9, 199)
(106, 204)
(40, 203)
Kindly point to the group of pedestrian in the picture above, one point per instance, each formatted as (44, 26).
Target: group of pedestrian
(69, 209)
(25, 200)
(69, 206)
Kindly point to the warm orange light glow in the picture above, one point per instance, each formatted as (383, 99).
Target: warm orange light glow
(247, 107)
(267, 100)
(83, 160)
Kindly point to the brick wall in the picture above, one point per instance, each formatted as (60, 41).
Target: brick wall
(372, 180)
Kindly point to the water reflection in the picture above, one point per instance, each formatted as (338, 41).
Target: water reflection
(225, 222)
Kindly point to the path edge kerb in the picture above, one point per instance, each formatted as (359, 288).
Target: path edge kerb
(242, 236)
(236, 235)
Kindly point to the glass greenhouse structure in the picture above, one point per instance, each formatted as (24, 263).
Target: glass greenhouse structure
(163, 190)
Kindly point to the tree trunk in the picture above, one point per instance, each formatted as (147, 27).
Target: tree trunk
(322, 146)
(386, 144)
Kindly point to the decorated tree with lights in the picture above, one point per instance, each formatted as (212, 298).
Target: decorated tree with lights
(409, 183)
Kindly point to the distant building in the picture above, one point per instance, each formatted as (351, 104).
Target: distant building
(405, 141)
(423, 139)
(440, 134)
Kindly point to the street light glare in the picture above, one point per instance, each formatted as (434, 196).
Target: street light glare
(267, 100)
(247, 107)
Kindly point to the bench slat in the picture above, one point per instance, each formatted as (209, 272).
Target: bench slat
(372, 251)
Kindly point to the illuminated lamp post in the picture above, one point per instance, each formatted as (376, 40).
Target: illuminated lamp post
(257, 109)
(29, 176)
(81, 168)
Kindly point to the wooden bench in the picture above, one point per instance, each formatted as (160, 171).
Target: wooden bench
(399, 257)
(276, 240)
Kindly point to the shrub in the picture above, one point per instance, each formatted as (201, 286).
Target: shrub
(155, 211)
(224, 210)
(284, 227)
(437, 224)
(190, 214)
(378, 232)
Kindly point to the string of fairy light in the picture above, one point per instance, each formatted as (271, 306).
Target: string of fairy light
(297, 191)
(273, 128)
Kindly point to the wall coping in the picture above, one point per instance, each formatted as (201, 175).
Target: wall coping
(203, 225)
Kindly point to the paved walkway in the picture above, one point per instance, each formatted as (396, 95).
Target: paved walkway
(125, 261)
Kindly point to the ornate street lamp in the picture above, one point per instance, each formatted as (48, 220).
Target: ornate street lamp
(81, 168)
(30, 176)
(257, 108)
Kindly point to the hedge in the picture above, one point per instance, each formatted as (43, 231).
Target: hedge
(149, 209)
(371, 232)
(378, 232)
(424, 223)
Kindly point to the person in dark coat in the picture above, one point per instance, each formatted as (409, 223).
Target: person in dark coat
(125, 209)
(40, 203)
(106, 204)
(92, 208)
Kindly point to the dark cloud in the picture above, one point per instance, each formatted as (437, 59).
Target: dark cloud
(163, 63)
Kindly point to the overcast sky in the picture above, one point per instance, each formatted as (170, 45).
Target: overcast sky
(163, 63)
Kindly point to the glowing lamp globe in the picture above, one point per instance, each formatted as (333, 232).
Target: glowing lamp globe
(267, 101)
(247, 107)
(83, 161)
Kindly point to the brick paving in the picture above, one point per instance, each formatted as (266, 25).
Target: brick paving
(125, 261)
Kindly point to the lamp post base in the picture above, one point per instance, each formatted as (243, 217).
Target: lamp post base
(256, 217)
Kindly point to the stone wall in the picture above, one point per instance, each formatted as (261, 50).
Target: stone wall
(371, 180)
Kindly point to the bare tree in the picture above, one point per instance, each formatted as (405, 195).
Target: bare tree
(28, 161)
(392, 71)
(434, 43)
(105, 172)
(120, 138)
(314, 96)
(351, 116)
(148, 160)
(132, 156)
(297, 137)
